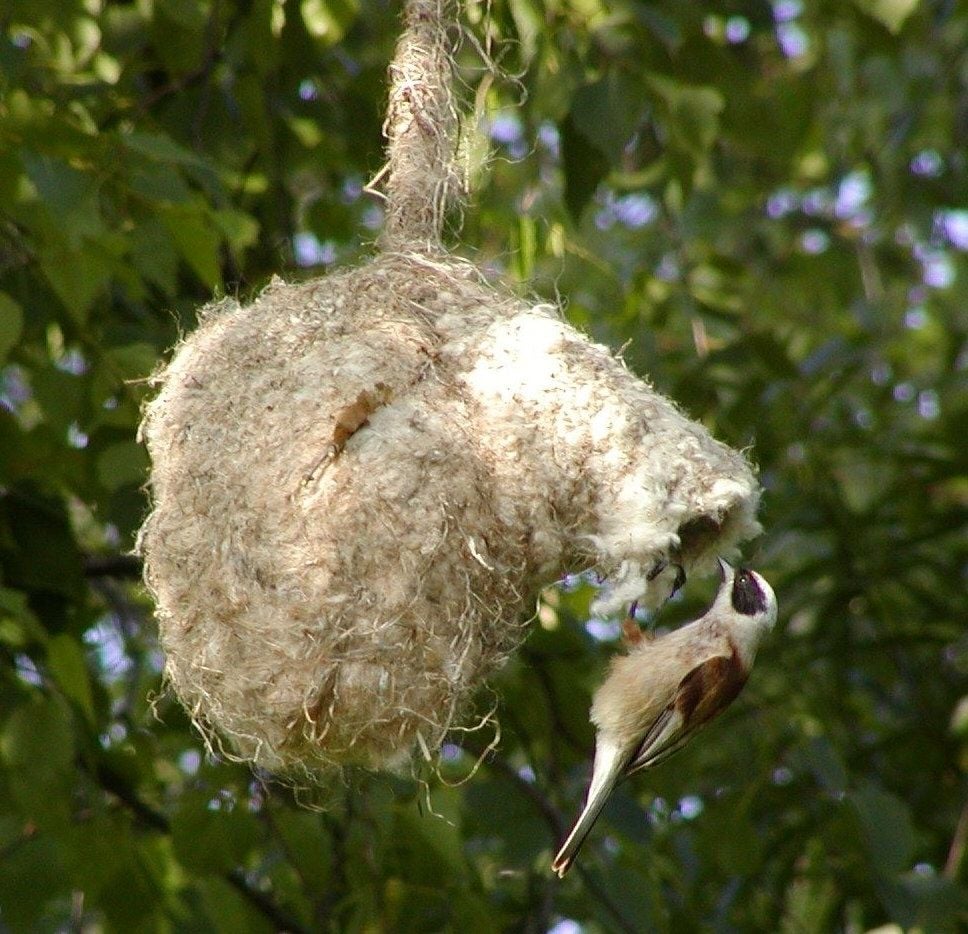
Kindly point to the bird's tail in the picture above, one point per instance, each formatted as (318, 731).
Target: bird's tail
(609, 764)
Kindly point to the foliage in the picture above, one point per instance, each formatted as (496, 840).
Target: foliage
(765, 201)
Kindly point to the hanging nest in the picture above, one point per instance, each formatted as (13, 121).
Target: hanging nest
(359, 482)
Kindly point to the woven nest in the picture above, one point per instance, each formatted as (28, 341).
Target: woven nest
(359, 482)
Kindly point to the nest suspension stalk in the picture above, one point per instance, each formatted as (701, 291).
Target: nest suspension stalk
(422, 180)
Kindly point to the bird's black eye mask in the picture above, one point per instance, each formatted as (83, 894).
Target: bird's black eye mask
(747, 597)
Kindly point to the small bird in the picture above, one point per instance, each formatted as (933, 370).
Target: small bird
(656, 697)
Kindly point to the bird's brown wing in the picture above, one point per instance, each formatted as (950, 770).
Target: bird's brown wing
(665, 737)
(702, 694)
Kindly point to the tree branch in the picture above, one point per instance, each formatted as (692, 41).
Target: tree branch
(554, 821)
(263, 902)
(956, 852)
(147, 815)
(128, 566)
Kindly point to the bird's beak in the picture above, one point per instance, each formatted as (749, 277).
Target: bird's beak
(680, 580)
(725, 569)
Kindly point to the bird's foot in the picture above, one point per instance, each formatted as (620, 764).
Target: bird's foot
(678, 581)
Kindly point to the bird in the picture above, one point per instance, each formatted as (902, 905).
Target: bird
(662, 692)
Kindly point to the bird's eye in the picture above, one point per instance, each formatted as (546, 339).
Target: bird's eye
(747, 598)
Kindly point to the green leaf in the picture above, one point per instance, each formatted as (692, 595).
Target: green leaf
(160, 147)
(887, 828)
(122, 464)
(811, 897)
(208, 837)
(229, 911)
(131, 897)
(584, 165)
(64, 190)
(196, 240)
(527, 23)
(18, 624)
(627, 888)
(735, 842)
(239, 229)
(13, 182)
(890, 13)
(41, 554)
(132, 361)
(925, 901)
(37, 746)
(861, 480)
(38, 738)
(608, 112)
(154, 256)
(435, 835)
(823, 760)
(68, 665)
(11, 324)
(772, 354)
(61, 397)
(498, 810)
(664, 26)
(328, 19)
(188, 13)
(693, 114)
(156, 182)
(307, 840)
(98, 849)
(77, 276)
(33, 876)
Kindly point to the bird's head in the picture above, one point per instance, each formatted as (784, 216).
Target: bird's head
(748, 595)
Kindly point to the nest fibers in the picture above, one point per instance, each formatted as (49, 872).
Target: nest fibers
(359, 482)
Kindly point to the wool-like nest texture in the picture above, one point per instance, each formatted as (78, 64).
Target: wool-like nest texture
(359, 483)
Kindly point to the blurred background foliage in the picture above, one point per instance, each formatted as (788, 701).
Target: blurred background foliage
(766, 204)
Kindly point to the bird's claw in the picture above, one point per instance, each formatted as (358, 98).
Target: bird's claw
(660, 566)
